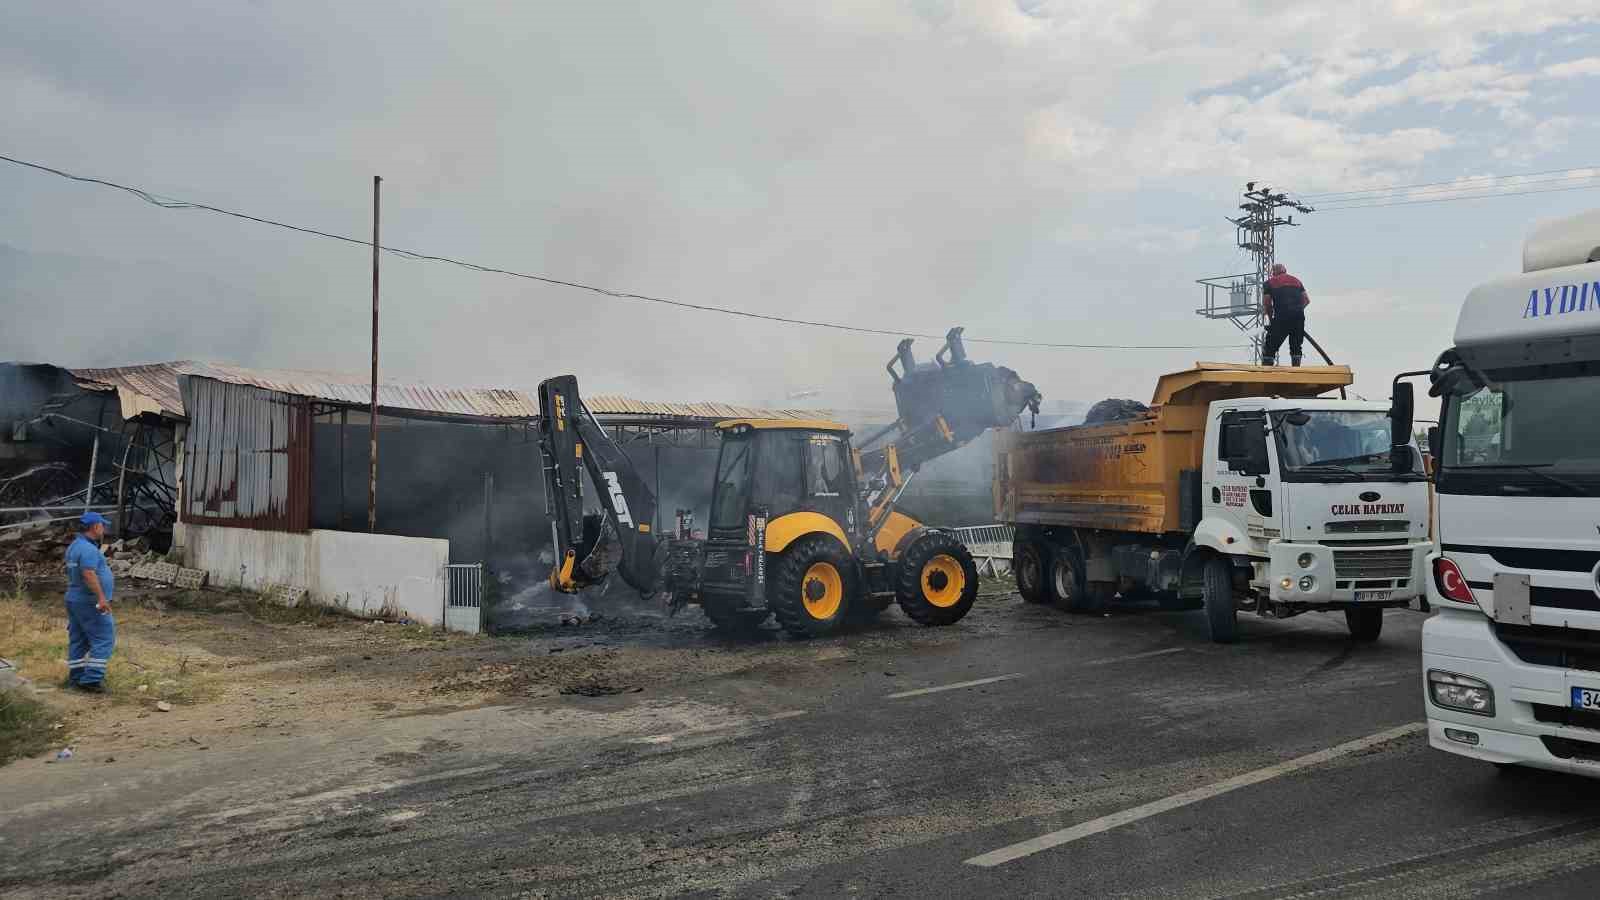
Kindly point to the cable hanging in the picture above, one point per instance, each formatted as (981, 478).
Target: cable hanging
(172, 203)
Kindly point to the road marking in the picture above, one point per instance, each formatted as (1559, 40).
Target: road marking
(1120, 659)
(705, 729)
(1118, 819)
(952, 687)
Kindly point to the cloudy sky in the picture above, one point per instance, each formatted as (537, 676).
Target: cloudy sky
(1053, 171)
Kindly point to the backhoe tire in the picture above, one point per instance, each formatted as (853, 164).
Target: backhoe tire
(813, 586)
(1222, 610)
(1365, 623)
(1065, 583)
(938, 580)
(1028, 567)
(731, 619)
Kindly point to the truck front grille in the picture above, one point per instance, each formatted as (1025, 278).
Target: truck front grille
(1368, 526)
(1372, 563)
(1547, 645)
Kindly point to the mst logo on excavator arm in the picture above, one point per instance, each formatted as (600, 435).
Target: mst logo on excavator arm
(619, 500)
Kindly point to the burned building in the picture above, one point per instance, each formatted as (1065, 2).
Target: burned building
(101, 439)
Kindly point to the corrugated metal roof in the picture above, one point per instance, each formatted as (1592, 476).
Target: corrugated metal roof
(154, 388)
(613, 404)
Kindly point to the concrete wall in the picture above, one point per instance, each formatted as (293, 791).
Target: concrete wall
(365, 573)
(369, 572)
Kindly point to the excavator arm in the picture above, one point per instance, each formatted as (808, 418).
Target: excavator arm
(570, 440)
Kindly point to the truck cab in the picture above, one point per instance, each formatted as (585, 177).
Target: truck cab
(1511, 658)
(1307, 492)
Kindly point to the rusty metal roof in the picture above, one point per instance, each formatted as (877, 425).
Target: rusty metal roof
(614, 404)
(154, 388)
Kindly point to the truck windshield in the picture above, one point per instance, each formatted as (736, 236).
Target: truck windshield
(732, 491)
(1335, 442)
(1533, 434)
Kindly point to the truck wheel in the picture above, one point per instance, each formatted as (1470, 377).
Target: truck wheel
(938, 581)
(730, 619)
(812, 587)
(1222, 613)
(1365, 623)
(1027, 565)
(1066, 584)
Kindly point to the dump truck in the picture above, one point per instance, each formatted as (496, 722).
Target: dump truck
(1241, 487)
(803, 521)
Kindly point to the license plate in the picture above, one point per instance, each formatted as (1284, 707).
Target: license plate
(1585, 698)
(1371, 596)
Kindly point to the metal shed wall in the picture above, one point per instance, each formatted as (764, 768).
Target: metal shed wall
(247, 456)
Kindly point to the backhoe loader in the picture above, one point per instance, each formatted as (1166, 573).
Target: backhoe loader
(803, 527)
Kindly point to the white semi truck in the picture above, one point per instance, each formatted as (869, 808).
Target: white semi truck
(1511, 659)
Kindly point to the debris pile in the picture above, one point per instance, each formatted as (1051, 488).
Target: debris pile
(34, 552)
(37, 552)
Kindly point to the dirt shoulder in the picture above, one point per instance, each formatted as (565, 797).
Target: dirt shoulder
(208, 669)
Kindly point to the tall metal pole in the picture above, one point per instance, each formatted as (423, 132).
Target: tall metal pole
(94, 459)
(372, 431)
(344, 421)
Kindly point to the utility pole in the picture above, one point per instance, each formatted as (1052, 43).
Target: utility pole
(1237, 298)
(372, 430)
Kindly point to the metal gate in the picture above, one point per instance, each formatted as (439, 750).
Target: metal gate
(990, 546)
(463, 597)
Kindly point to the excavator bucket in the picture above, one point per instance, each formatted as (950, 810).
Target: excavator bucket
(952, 400)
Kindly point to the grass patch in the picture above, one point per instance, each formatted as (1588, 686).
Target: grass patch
(306, 612)
(25, 726)
(33, 631)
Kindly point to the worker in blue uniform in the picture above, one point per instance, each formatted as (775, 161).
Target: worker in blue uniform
(91, 632)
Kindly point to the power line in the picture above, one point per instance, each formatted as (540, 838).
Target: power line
(1580, 187)
(172, 203)
(1327, 196)
(1508, 182)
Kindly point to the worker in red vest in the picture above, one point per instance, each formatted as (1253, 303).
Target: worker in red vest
(1285, 300)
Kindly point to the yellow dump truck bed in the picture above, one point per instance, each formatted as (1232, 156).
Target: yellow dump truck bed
(1137, 475)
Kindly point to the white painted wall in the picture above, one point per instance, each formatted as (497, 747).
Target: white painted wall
(244, 557)
(365, 573)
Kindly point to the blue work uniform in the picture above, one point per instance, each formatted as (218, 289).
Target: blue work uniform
(91, 634)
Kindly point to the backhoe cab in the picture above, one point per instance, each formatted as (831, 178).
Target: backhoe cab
(802, 526)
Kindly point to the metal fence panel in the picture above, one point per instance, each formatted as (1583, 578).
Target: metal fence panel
(463, 597)
(990, 546)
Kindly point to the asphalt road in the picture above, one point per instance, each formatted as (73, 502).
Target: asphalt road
(1089, 756)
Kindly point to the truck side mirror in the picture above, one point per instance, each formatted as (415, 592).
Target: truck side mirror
(1400, 422)
(1434, 441)
(1255, 447)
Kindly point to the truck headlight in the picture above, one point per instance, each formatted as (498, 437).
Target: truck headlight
(1286, 583)
(1305, 560)
(1460, 692)
(1307, 583)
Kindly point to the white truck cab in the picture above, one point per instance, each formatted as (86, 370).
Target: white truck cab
(1511, 658)
(1326, 521)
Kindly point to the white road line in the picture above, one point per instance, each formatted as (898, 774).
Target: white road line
(1119, 659)
(1154, 808)
(952, 687)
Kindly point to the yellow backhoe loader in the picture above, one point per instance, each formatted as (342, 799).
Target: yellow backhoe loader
(803, 526)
